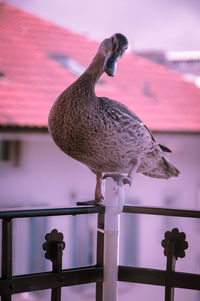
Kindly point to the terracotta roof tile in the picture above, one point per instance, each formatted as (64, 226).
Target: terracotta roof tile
(32, 79)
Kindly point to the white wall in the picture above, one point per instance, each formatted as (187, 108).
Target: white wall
(47, 177)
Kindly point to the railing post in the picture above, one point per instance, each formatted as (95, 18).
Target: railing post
(7, 253)
(100, 253)
(174, 246)
(114, 199)
(54, 246)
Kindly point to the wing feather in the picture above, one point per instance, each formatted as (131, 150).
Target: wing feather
(123, 109)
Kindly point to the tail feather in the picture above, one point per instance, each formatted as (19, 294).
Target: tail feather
(164, 170)
(164, 148)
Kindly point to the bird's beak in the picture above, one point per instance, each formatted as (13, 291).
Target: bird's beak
(110, 63)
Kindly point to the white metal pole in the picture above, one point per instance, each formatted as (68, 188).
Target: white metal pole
(114, 200)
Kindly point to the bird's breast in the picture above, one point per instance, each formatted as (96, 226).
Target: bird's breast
(101, 140)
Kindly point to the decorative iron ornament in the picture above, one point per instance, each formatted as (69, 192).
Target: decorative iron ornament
(178, 240)
(54, 240)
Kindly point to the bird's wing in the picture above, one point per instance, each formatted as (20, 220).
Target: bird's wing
(123, 109)
(162, 147)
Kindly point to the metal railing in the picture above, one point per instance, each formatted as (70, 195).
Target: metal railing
(48, 280)
(173, 243)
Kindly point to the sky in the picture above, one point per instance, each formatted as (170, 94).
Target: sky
(168, 25)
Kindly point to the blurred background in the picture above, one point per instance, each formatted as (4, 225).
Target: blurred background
(44, 46)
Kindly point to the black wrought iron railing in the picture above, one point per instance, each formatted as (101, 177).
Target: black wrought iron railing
(174, 244)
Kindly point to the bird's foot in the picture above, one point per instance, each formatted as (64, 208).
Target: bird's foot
(119, 178)
(127, 180)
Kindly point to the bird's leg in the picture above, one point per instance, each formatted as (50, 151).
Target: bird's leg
(98, 195)
(98, 198)
(128, 179)
(125, 179)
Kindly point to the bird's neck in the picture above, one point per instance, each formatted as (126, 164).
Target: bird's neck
(85, 84)
(95, 69)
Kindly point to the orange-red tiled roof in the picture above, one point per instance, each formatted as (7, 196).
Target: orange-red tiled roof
(30, 80)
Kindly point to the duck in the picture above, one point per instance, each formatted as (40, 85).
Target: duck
(103, 133)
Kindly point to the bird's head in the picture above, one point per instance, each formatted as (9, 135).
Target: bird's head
(113, 48)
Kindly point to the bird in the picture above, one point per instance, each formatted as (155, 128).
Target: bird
(103, 133)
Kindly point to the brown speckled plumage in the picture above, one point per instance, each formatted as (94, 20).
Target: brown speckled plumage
(102, 133)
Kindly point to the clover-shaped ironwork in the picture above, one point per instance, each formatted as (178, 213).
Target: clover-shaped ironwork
(53, 245)
(178, 240)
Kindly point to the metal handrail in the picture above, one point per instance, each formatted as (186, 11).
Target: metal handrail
(162, 211)
(9, 214)
(98, 209)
